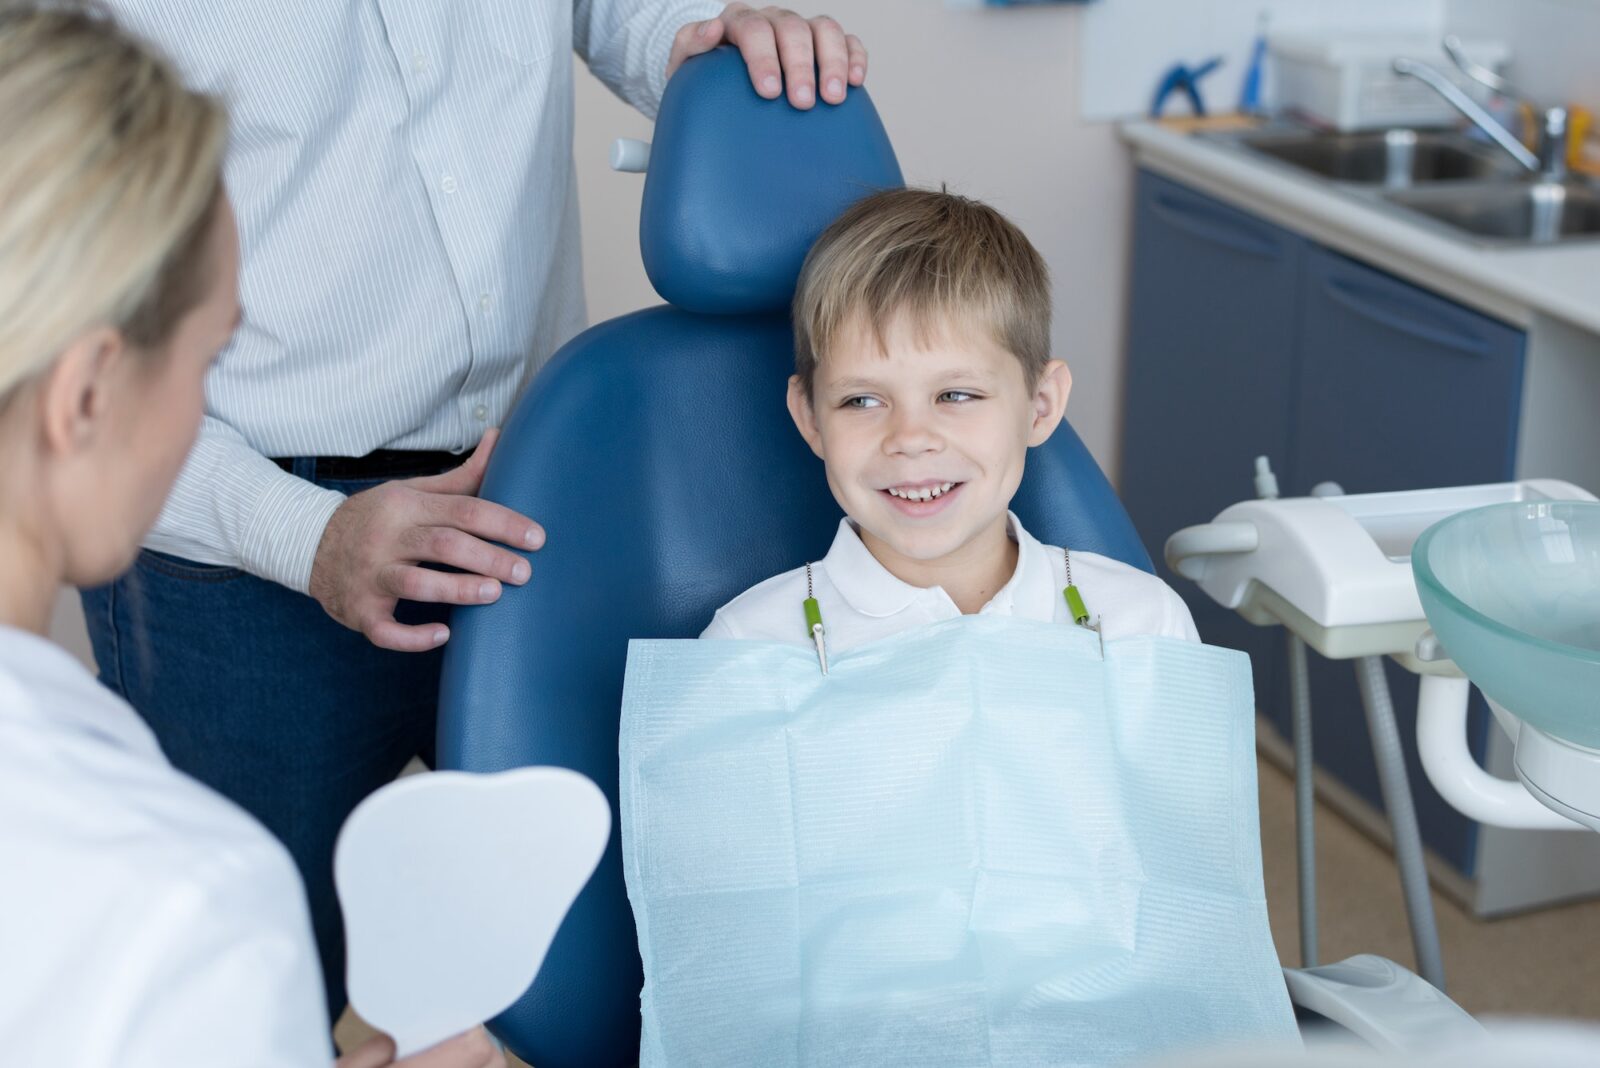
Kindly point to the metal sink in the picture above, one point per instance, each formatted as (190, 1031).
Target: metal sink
(1522, 213)
(1390, 158)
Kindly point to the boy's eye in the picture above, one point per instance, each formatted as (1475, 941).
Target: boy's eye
(861, 402)
(957, 396)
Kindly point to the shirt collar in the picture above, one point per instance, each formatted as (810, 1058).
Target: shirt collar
(869, 588)
(1031, 593)
(866, 585)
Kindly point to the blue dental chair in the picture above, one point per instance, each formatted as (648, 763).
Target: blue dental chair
(657, 451)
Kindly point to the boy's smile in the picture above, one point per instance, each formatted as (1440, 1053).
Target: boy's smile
(924, 443)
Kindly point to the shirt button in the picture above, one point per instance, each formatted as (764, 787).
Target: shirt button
(480, 413)
(485, 302)
(448, 183)
(419, 62)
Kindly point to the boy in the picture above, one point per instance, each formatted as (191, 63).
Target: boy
(922, 377)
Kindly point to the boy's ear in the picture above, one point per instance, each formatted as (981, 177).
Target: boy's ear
(1049, 401)
(805, 420)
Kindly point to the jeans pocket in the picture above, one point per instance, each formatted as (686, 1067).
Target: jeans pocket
(179, 568)
(523, 30)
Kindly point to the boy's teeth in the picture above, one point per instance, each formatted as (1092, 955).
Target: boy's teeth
(926, 493)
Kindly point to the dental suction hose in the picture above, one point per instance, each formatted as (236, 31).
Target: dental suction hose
(1305, 796)
(1396, 791)
(1305, 803)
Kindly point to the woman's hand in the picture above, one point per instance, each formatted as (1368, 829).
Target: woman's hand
(472, 1049)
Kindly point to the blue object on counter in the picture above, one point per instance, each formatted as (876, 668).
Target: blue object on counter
(1250, 92)
(1185, 79)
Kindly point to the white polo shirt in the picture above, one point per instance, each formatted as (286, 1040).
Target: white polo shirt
(145, 922)
(861, 601)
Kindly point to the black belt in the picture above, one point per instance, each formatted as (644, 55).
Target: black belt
(381, 464)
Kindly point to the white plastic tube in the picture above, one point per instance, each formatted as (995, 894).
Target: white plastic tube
(1448, 763)
(630, 154)
(1187, 549)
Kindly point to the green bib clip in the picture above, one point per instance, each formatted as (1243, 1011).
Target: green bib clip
(814, 623)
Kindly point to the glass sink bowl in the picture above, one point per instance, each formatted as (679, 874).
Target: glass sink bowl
(1513, 593)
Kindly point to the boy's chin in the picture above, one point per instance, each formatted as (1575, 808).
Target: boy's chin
(923, 545)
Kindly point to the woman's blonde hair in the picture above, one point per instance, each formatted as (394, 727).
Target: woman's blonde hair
(110, 173)
(938, 258)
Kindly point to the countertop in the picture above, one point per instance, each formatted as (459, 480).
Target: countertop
(1517, 284)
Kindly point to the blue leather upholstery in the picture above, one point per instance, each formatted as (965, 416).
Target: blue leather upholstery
(739, 187)
(657, 452)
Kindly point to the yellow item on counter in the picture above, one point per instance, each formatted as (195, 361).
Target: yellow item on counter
(1583, 143)
(1226, 121)
(1530, 126)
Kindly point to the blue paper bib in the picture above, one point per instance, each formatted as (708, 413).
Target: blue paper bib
(975, 843)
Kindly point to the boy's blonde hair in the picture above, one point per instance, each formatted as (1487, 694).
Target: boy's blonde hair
(938, 258)
(110, 174)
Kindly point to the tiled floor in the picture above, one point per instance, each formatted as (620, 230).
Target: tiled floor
(1544, 963)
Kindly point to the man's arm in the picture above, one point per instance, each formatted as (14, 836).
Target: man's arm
(635, 45)
(627, 43)
(357, 556)
(233, 506)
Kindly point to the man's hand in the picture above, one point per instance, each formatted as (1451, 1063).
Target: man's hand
(780, 48)
(368, 558)
(470, 1050)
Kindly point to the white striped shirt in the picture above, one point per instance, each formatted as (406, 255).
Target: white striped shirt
(403, 178)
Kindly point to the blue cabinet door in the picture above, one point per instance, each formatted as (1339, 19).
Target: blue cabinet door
(1212, 337)
(1399, 389)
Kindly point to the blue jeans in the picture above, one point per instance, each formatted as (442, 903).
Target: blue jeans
(254, 690)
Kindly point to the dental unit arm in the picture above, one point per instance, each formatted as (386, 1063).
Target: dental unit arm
(1337, 571)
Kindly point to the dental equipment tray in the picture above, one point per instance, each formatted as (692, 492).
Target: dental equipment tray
(1336, 570)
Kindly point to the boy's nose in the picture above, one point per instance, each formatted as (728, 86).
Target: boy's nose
(911, 435)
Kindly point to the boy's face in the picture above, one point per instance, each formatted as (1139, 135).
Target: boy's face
(924, 444)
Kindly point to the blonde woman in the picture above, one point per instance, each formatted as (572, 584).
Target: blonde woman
(144, 920)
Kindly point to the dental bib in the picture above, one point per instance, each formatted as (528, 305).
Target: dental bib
(973, 843)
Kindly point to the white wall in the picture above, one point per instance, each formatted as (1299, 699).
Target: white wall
(1555, 44)
(1130, 44)
(984, 100)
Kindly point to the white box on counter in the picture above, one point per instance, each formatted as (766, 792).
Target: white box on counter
(1346, 81)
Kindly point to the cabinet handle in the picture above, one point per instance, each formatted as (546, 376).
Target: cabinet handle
(1216, 225)
(1403, 317)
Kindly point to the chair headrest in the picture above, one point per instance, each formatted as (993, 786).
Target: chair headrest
(739, 187)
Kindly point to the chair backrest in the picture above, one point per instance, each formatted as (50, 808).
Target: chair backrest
(656, 450)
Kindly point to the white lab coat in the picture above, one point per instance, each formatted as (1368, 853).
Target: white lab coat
(144, 920)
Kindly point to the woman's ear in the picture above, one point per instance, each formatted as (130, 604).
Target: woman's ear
(805, 419)
(75, 393)
(1049, 401)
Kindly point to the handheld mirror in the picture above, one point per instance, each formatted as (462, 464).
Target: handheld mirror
(453, 886)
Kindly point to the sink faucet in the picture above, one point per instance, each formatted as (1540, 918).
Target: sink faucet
(1550, 164)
